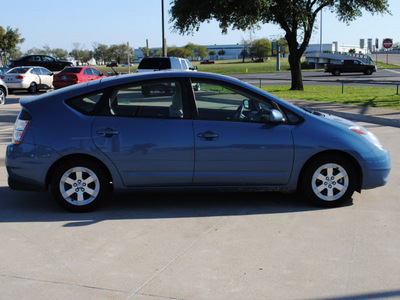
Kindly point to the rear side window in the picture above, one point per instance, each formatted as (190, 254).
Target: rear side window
(155, 63)
(85, 104)
(18, 70)
(161, 99)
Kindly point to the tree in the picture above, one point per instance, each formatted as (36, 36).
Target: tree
(9, 39)
(179, 52)
(295, 17)
(283, 46)
(197, 50)
(396, 46)
(221, 52)
(261, 48)
(100, 53)
(246, 49)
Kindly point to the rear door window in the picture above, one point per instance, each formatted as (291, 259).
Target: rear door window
(158, 99)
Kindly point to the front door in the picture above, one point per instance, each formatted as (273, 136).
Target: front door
(234, 143)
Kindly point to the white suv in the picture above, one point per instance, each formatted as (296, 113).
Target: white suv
(152, 64)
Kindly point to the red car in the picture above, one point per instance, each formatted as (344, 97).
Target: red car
(73, 75)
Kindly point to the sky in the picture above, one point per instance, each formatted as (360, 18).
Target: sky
(59, 24)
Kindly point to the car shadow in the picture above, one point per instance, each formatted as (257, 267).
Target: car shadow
(17, 206)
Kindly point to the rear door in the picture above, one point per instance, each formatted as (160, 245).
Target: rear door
(146, 132)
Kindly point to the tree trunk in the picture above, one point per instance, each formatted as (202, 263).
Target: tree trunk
(295, 69)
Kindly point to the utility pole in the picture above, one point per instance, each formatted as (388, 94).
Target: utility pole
(129, 61)
(163, 35)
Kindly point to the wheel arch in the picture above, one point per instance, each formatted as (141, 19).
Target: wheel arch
(77, 156)
(347, 156)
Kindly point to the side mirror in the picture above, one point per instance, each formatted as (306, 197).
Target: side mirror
(276, 117)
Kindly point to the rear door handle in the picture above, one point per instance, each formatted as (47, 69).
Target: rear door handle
(208, 135)
(108, 132)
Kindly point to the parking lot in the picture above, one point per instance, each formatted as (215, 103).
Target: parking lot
(201, 246)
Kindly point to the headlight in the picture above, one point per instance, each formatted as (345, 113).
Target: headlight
(367, 134)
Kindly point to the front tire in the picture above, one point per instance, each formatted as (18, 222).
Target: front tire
(368, 72)
(80, 185)
(328, 181)
(2, 96)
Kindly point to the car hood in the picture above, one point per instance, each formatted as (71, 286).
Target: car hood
(330, 118)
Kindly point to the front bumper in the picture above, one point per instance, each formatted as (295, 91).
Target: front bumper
(376, 169)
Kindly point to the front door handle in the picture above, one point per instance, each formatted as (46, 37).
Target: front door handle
(108, 132)
(208, 135)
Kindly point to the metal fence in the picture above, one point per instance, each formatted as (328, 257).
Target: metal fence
(259, 81)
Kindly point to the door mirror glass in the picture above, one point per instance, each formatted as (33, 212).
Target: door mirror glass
(276, 116)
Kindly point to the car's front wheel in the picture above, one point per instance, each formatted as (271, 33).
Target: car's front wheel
(2, 96)
(328, 180)
(368, 72)
(80, 185)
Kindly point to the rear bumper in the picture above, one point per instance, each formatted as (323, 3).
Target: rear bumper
(27, 166)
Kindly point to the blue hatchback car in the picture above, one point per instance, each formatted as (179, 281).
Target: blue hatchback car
(185, 130)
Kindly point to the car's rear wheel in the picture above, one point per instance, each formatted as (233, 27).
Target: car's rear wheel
(80, 185)
(328, 181)
(2, 96)
(336, 73)
(33, 88)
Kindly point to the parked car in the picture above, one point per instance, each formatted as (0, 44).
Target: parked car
(3, 92)
(40, 60)
(102, 136)
(112, 64)
(3, 70)
(74, 75)
(350, 66)
(31, 79)
(151, 64)
(207, 62)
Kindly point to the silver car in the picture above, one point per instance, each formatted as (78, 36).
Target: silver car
(31, 79)
(3, 92)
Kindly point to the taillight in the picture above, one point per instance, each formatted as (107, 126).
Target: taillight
(21, 126)
(19, 77)
(3, 77)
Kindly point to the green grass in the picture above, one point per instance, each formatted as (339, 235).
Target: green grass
(238, 67)
(383, 97)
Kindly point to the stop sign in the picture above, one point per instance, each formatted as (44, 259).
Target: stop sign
(387, 43)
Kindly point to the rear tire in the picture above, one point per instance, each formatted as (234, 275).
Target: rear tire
(80, 185)
(328, 181)
(33, 88)
(336, 73)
